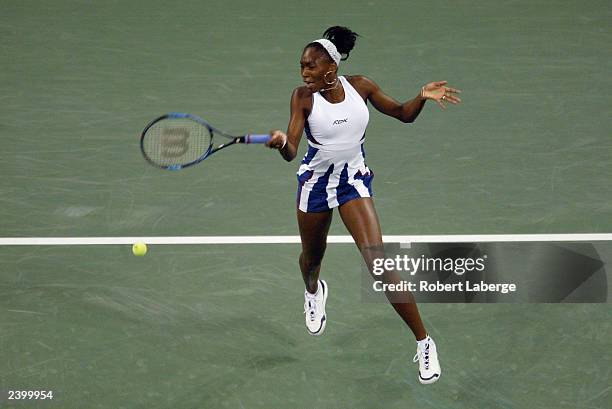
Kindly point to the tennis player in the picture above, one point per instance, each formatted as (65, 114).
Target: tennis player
(332, 110)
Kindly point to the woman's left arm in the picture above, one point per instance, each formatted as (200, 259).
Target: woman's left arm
(409, 110)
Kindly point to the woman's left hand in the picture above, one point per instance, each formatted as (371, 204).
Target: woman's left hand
(439, 92)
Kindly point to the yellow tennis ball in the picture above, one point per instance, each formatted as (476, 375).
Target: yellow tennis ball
(139, 249)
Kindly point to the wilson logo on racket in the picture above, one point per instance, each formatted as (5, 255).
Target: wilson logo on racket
(174, 142)
(178, 140)
(340, 121)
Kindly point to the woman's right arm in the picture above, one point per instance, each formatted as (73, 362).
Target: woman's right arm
(294, 129)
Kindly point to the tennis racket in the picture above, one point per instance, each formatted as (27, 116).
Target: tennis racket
(177, 140)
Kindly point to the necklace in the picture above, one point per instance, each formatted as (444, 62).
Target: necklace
(330, 88)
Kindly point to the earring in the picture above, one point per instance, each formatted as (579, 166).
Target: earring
(329, 83)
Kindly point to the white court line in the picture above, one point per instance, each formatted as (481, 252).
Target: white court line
(470, 238)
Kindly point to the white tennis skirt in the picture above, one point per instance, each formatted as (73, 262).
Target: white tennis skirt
(328, 179)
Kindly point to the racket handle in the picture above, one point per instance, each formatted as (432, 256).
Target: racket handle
(257, 138)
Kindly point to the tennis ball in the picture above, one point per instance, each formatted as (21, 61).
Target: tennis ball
(139, 249)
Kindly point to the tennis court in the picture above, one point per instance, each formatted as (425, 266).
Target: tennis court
(221, 325)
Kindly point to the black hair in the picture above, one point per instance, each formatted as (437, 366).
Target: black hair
(342, 37)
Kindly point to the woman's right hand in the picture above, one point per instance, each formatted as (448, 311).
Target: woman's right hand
(278, 139)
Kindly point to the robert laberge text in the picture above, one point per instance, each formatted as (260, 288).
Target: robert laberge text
(437, 286)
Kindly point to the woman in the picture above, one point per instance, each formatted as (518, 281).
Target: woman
(332, 110)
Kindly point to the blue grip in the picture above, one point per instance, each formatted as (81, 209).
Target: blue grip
(257, 138)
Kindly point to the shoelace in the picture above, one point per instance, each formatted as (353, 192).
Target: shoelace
(310, 308)
(424, 352)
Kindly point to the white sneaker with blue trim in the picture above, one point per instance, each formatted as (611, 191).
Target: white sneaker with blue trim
(427, 357)
(314, 308)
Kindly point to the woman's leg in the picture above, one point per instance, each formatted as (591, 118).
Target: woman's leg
(361, 220)
(313, 231)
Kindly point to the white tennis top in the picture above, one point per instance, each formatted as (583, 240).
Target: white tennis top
(341, 126)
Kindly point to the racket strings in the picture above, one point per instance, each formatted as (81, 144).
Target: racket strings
(176, 142)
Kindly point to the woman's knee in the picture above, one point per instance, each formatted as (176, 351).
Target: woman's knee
(371, 252)
(311, 261)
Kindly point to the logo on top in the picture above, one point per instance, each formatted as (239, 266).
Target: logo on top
(340, 121)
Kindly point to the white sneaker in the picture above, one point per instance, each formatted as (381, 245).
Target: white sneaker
(427, 356)
(314, 308)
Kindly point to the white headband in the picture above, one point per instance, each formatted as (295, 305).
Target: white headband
(331, 49)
